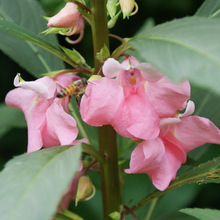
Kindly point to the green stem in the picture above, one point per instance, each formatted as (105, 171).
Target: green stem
(107, 137)
(109, 171)
(151, 209)
(99, 29)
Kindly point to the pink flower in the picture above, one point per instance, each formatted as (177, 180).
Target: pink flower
(48, 122)
(68, 17)
(162, 157)
(129, 98)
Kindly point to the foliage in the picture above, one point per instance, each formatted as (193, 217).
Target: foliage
(184, 48)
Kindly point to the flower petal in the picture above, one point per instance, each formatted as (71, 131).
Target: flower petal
(136, 117)
(190, 108)
(195, 131)
(158, 160)
(167, 98)
(60, 127)
(148, 72)
(101, 101)
(112, 68)
(45, 86)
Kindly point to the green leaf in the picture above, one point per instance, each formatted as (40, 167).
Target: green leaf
(10, 118)
(26, 15)
(186, 48)
(24, 34)
(208, 172)
(210, 8)
(203, 214)
(32, 184)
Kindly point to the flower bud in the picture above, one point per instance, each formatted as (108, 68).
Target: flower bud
(84, 189)
(127, 6)
(66, 17)
(112, 7)
(67, 21)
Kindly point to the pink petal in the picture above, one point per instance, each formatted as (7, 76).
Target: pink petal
(60, 127)
(45, 86)
(112, 68)
(148, 72)
(195, 131)
(147, 156)
(166, 172)
(190, 108)
(65, 80)
(36, 119)
(167, 98)
(158, 160)
(136, 117)
(101, 101)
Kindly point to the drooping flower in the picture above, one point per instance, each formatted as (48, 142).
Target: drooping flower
(48, 122)
(68, 21)
(162, 157)
(123, 98)
(127, 7)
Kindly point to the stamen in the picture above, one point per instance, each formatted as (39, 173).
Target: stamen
(132, 80)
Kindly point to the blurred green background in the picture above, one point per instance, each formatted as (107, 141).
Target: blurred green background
(13, 140)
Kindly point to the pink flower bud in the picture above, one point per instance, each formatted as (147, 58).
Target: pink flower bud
(66, 17)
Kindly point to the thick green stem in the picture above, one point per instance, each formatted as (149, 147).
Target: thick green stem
(109, 173)
(107, 137)
(99, 29)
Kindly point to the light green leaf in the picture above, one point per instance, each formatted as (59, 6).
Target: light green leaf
(26, 14)
(202, 214)
(210, 8)
(10, 118)
(32, 184)
(186, 48)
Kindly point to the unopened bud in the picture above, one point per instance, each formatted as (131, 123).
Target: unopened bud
(85, 189)
(67, 21)
(112, 7)
(127, 7)
(66, 17)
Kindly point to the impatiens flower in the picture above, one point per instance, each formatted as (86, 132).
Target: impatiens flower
(48, 122)
(129, 98)
(70, 19)
(162, 157)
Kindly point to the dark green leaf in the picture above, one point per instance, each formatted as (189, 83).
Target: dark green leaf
(210, 8)
(203, 214)
(10, 118)
(26, 15)
(32, 184)
(186, 48)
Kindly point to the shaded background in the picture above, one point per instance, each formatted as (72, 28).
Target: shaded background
(14, 141)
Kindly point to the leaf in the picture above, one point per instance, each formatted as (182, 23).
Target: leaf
(210, 8)
(202, 214)
(24, 34)
(10, 118)
(32, 184)
(185, 48)
(208, 172)
(26, 14)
